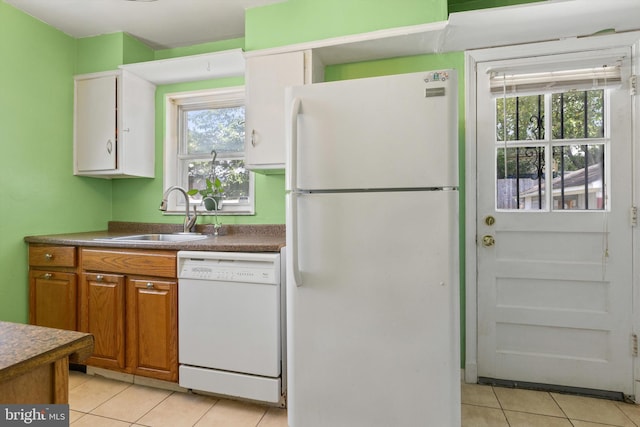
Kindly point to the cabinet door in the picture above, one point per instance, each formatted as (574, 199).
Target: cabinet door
(102, 313)
(95, 124)
(265, 81)
(52, 299)
(136, 116)
(152, 328)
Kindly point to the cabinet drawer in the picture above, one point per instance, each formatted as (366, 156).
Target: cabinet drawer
(147, 263)
(52, 256)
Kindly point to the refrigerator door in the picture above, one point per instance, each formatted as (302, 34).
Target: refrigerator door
(373, 331)
(395, 131)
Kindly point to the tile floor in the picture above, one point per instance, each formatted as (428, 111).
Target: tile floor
(95, 401)
(505, 407)
(99, 402)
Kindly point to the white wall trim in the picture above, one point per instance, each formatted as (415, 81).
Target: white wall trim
(471, 301)
(635, 185)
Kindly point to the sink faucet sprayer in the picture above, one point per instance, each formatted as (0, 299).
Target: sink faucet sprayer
(189, 221)
(216, 224)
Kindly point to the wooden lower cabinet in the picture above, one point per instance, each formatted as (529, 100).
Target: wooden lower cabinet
(152, 328)
(133, 317)
(53, 286)
(102, 313)
(52, 299)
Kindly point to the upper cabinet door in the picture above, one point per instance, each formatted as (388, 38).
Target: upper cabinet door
(114, 127)
(136, 126)
(265, 80)
(95, 124)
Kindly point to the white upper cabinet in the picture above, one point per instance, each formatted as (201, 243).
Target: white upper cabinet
(114, 125)
(266, 77)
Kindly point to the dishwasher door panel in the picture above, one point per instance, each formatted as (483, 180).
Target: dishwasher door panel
(230, 326)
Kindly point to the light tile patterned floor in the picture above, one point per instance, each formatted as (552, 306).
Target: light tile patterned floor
(504, 407)
(101, 402)
(95, 401)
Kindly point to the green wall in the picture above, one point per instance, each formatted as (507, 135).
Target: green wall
(297, 21)
(466, 5)
(198, 49)
(38, 192)
(107, 52)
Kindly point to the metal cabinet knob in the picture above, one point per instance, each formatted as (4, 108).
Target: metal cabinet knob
(149, 285)
(48, 256)
(99, 278)
(47, 276)
(488, 241)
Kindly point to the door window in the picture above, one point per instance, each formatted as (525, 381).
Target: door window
(566, 168)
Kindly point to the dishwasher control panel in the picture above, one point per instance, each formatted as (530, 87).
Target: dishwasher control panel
(230, 266)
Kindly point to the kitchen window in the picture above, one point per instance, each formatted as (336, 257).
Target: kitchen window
(205, 138)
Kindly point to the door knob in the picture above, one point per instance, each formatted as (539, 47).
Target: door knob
(488, 241)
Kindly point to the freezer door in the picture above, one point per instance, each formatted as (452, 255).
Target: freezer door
(382, 132)
(373, 329)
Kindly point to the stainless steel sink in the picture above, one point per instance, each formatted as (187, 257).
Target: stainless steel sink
(151, 238)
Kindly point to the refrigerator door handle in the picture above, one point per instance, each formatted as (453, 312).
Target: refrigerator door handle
(292, 188)
(292, 147)
(293, 245)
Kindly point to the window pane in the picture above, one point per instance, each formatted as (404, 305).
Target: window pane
(576, 186)
(220, 129)
(524, 118)
(232, 174)
(578, 114)
(523, 185)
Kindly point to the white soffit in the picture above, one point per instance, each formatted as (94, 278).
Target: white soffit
(395, 42)
(503, 26)
(535, 22)
(228, 63)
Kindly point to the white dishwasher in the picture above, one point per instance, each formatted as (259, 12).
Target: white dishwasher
(230, 324)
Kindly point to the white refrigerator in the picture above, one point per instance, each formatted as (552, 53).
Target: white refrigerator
(372, 252)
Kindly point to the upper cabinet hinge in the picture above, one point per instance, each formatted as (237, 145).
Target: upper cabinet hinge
(633, 84)
(634, 345)
(634, 216)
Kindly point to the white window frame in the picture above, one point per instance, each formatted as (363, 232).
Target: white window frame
(172, 171)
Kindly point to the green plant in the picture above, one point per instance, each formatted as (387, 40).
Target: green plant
(213, 189)
(212, 193)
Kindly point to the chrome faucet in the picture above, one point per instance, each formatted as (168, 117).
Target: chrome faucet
(189, 221)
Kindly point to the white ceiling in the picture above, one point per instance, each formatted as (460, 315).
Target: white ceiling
(160, 24)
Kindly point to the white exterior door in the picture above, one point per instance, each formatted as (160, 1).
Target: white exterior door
(554, 236)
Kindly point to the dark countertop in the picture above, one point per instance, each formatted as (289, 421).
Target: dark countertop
(232, 238)
(26, 347)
